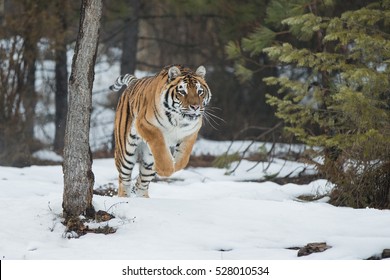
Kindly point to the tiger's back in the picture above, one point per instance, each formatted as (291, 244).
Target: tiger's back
(157, 115)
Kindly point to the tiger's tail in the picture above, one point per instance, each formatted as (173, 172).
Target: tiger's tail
(123, 80)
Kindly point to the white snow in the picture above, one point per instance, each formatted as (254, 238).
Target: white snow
(204, 146)
(47, 155)
(201, 213)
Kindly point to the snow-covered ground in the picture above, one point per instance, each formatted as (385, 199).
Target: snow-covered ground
(201, 213)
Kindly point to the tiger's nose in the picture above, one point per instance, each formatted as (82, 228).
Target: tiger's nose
(194, 107)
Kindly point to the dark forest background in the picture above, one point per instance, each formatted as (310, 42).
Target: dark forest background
(148, 35)
(308, 71)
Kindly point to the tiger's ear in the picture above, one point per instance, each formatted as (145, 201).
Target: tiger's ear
(173, 72)
(201, 71)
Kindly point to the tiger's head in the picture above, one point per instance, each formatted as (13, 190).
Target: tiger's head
(187, 92)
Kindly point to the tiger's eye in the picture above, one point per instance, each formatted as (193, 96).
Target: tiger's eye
(182, 89)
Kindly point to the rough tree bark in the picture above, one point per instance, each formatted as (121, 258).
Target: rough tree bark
(78, 175)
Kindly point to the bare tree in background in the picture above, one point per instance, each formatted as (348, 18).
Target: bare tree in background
(61, 76)
(78, 175)
(130, 39)
(22, 27)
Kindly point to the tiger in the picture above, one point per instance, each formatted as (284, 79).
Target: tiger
(157, 121)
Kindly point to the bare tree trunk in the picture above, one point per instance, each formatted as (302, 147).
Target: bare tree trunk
(61, 99)
(30, 98)
(1, 11)
(30, 54)
(61, 96)
(129, 46)
(130, 39)
(14, 142)
(78, 175)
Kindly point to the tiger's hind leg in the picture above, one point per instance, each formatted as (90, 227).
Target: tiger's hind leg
(126, 165)
(125, 186)
(146, 173)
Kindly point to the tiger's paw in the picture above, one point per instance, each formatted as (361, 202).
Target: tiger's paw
(124, 190)
(165, 171)
(141, 193)
(180, 165)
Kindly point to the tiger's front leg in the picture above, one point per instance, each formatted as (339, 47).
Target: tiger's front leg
(183, 151)
(163, 160)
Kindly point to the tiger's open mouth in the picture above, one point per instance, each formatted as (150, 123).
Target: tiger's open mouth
(191, 116)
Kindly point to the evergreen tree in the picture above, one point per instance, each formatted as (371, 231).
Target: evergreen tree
(334, 94)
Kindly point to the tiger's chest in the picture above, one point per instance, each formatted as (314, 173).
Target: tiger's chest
(180, 129)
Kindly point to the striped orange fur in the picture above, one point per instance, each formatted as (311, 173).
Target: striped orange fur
(156, 123)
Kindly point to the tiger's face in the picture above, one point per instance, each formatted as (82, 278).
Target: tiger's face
(189, 92)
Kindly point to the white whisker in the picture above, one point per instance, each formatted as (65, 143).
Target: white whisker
(212, 119)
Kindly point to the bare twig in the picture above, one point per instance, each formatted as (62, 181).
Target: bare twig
(253, 141)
